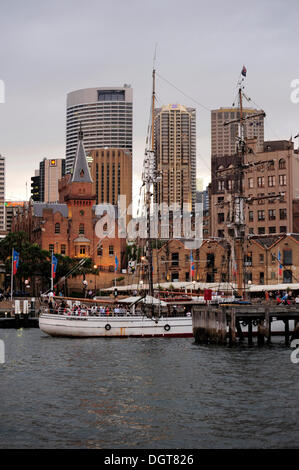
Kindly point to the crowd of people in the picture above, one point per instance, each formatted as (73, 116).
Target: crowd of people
(63, 308)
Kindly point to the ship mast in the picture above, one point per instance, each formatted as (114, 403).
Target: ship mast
(150, 177)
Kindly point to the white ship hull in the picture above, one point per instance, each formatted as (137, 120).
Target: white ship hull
(136, 326)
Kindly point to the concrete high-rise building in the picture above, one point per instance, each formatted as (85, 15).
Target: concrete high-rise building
(111, 172)
(106, 117)
(44, 184)
(224, 138)
(11, 208)
(2, 193)
(175, 150)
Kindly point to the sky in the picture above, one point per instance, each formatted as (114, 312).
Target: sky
(50, 48)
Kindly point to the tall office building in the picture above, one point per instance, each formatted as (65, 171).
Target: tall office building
(111, 172)
(224, 138)
(44, 184)
(2, 193)
(106, 117)
(175, 149)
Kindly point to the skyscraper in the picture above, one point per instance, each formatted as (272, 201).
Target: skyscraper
(44, 184)
(106, 116)
(224, 138)
(2, 193)
(111, 172)
(175, 150)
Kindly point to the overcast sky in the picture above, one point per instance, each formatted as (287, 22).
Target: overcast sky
(49, 48)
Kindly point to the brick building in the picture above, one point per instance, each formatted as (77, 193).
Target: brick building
(72, 226)
(277, 175)
(172, 262)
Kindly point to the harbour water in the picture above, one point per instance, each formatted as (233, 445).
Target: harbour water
(145, 393)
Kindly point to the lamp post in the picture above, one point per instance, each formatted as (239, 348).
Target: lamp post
(95, 279)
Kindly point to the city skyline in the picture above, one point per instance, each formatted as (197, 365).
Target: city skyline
(32, 119)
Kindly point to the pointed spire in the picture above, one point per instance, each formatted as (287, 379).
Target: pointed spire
(81, 171)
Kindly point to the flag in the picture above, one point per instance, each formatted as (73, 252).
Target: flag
(279, 265)
(192, 264)
(53, 266)
(244, 71)
(116, 263)
(15, 256)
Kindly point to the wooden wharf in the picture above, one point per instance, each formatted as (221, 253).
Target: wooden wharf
(223, 324)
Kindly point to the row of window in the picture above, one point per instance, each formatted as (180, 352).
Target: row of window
(282, 181)
(271, 214)
(258, 230)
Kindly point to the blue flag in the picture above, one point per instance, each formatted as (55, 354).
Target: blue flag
(54, 266)
(15, 256)
(116, 263)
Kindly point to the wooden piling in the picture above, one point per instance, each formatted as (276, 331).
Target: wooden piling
(250, 331)
(267, 325)
(260, 333)
(286, 332)
(232, 327)
(239, 331)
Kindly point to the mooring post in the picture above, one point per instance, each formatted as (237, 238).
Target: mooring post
(232, 327)
(260, 333)
(296, 330)
(267, 325)
(249, 331)
(239, 331)
(286, 332)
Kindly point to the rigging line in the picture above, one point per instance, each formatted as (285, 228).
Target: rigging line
(187, 96)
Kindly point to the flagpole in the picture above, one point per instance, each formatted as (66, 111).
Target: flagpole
(52, 283)
(11, 280)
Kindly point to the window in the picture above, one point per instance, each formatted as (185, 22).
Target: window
(250, 230)
(287, 276)
(111, 95)
(272, 229)
(262, 278)
(248, 259)
(210, 260)
(100, 251)
(230, 184)
(57, 227)
(250, 182)
(51, 248)
(261, 215)
(271, 213)
(261, 201)
(220, 199)
(111, 250)
(220, 217)
(221, 185)
(283, 229)
(261, 230)
(271, 181)
(282, 214)
(221, 233)
(175, 259)
(261, 181)
(261, 258)
(63, 249)
(287, 257)
(282, 164)
(82, 250)
(282, 180)
(250, 216)
(271, 165)
(81, 229)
